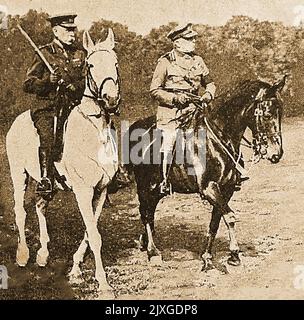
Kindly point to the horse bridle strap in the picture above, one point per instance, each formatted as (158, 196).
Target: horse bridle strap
(93, 87)
(261, 136)
(238, 167)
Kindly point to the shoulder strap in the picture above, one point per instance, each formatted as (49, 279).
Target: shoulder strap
(49, 47)
(169, 56)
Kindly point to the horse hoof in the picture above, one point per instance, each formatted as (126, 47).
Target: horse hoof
(234, 259)
(153, 253)
(207, 261)
(156, 260)
(207, 265)
(42, 258)
(22, 256)
(105, 293)
(75, 279)
(75, 272)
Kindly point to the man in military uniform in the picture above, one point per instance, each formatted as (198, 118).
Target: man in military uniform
(57, 92)
(177, 74)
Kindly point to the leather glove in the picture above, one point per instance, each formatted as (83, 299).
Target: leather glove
(55, 77)
(206, 97)
(181, 99)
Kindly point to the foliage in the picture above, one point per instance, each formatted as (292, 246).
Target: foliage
(244, 48)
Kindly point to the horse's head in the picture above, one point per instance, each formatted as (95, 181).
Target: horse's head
(102, 81)
(266, 117)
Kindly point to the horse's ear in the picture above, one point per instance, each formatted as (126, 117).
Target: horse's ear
(278, 86)
(109, 43)
(88, 43)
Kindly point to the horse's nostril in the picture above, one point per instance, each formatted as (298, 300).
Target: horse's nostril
(275, 159)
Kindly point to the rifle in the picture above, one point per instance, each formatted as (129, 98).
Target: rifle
(38, 51)
(50, 68)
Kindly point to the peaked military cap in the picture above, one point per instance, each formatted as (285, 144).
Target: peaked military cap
(63, 20)
(182, 31)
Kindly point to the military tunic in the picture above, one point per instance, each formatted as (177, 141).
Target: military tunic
(70, 62)
(182, 72)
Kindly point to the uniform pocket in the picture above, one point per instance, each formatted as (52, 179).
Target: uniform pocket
(197, 71)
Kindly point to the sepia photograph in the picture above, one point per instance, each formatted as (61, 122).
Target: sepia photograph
(152, 151)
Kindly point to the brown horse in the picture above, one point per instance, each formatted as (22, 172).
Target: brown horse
(254, 104)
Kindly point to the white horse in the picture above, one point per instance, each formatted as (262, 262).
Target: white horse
(89, 159)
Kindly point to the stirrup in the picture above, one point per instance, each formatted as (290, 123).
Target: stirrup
(240, 182)
(243, 179)
(165, 188)
(44, 186)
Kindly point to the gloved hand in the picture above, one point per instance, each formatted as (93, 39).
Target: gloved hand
(55, 77)
(181, 99)
(206, 97)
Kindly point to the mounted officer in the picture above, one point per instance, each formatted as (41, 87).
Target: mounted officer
(178, 74)
(57, 93)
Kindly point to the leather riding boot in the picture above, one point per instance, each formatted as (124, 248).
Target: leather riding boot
(165, 187)
(45, 185)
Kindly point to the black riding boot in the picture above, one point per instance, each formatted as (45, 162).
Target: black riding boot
(44, 187)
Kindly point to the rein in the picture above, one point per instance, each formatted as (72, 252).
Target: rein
(236, 162)
(260, 139)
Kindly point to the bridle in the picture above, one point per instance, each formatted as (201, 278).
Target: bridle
(261, 135)
(96, 92)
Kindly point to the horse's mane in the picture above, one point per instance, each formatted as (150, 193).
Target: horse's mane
(225, 106)
(229, 102)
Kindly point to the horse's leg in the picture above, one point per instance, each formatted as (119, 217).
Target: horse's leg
(84, 196)
(78, 258)
(19, 183)
(98, 202)
(213, 228)
(147, 209)
(99, 199)
(43, 252)
(213, 194)
(234, 259)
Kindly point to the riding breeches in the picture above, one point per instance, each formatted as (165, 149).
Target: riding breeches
(44, 123)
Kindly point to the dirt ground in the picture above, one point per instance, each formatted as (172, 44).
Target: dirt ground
(270, 232)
